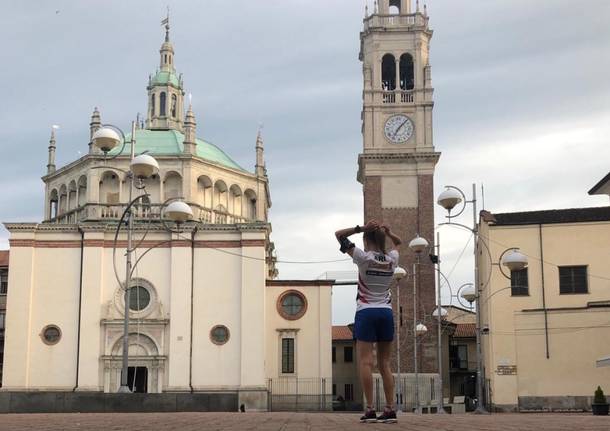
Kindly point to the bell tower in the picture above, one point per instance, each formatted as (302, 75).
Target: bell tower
(396, 166)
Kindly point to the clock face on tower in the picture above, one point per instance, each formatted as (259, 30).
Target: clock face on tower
(398, 128)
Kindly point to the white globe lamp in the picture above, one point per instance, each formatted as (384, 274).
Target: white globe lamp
(421, 329)
(399, 273)
(469, 293)
(106, 139)
(449, 199)
(144, 166)
(178, 212)
(418, 244)
(515, 260)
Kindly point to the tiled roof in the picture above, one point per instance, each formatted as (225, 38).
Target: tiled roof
(465, 330)
(342, 333)
(4, 257)
(571, 215)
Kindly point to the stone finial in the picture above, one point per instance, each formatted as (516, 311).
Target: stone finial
(51, 162)
(96, 123)
(366, 10)
(376, 7)
(416, 6)
(190, 130)
(260, 168)
(425, 9)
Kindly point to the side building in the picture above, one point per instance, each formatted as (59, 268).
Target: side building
(347, 390)
(548, 325)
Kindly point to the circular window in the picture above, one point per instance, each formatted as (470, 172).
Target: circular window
(139, 298)
(292, 305)
(219, 334)
(51, 334)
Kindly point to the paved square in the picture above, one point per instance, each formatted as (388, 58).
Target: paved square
(297, 422)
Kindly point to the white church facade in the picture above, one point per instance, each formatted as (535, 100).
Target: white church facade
(206, 312)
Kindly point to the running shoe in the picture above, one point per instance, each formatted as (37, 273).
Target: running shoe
(369, 416)
(387, 417)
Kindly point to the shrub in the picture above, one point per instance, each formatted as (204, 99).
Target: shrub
(599, 397)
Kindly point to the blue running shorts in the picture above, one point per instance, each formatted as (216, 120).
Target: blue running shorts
(374, 325)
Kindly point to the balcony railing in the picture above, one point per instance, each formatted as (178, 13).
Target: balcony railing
(113, 212)
(391, 97)
(393, 21)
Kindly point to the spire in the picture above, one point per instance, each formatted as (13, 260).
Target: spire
(166, 22)
(167, 49)
(425, 9)
(416, 6)
(52, 147)
(95, 124)
(190, 130)
(366, 10)
(260, 169)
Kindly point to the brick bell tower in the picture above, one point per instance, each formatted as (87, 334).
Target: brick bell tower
(396, 166)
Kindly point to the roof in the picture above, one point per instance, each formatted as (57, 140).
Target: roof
(4, 254)
(163, 78)
(603, 183)
(465, 330)
(342, 333)
(571, 215)
(171, 142)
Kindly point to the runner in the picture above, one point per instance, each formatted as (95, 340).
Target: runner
(374, 321)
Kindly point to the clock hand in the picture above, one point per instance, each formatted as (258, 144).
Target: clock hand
(400, 127)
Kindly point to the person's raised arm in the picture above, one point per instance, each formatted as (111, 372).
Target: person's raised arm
(395, 238)
(346, 245)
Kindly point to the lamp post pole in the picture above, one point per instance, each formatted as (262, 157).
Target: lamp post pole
(124, 372)
(416, 368)
(399, 382)
(439, 407)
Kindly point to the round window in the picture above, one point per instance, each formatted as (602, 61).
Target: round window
(139, 298)
(292, 305)
(219, 334)
(51, 335)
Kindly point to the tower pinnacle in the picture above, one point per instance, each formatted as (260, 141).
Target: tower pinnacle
(51, 161)
(260, 168)
(190, 131)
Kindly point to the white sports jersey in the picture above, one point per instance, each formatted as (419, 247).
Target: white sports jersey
(375, 272)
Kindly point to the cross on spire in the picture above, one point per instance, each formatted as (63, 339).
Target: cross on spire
(166, 23)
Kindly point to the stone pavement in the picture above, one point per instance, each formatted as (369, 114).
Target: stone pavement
(297, 422)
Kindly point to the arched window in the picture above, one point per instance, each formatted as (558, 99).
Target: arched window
(407, 81)
(152, 105)
(165, 59)
(162, 104)
(388, 72)
(394, 7)
(172, 185)
(250, 205)
(174, 100)
(53, 204)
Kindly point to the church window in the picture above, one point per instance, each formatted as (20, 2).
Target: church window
(165, 58)
(394, 7)
(174, 100)
(219, 335)
(406, 72)
(162, 97)
(292, 305)
(51, 334)
(388, 72)
(288, 355)
(139, 298)
(152, 104)
(3, 281)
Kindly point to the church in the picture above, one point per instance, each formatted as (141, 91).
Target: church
(206, 312)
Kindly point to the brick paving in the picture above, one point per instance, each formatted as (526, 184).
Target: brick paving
(297, 422)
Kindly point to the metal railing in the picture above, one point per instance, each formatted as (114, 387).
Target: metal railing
(427, 391)
(299, 394)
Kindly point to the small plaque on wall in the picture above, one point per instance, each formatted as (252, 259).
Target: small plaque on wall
(506, 370)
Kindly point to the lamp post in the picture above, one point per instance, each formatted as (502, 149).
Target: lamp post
(417, 245)
(141, 167)
(399, 274)
(449, 199)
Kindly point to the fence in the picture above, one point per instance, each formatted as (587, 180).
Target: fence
(294, 394)
(427, 391)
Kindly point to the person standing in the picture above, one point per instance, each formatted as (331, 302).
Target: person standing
(374, 321)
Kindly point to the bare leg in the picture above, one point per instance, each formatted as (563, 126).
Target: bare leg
(384, 351)
(365, 368)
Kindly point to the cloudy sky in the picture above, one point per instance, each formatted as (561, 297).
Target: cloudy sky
(522, 95)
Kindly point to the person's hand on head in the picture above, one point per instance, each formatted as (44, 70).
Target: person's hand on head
(385, 228)
(371, 226)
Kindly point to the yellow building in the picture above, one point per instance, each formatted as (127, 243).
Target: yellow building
(207, 319)
(544, 329)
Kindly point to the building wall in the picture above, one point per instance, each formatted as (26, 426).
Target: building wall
(517, 337)
(347, 373)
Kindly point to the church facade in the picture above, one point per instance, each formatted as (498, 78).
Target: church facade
(206, 312)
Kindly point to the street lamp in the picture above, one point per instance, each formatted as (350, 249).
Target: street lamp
(399, 274)
(141, 167)
(511, 258)
(417, 245)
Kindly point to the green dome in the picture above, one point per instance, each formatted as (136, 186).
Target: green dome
(171, 142)
(164, 78)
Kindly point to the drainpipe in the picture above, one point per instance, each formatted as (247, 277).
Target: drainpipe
(80, 296)
(193, 233)
(546, 319)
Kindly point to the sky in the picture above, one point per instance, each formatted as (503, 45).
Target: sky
(522, 104)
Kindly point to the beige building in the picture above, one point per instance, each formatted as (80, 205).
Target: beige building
(347, 390)
(206, 314)
(4, 260)
(545, 328)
